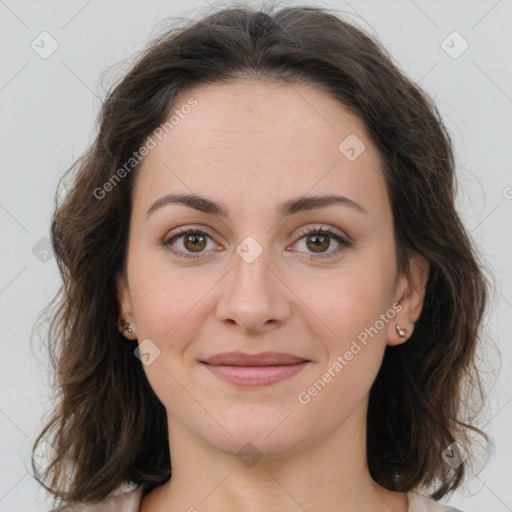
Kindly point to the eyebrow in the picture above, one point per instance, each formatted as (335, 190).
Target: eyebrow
(290, 207)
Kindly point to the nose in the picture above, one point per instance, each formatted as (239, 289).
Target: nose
(254, 296)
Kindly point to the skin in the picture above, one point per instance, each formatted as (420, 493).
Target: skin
(252, 145)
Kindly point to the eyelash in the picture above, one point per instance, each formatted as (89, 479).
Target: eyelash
(344, 243)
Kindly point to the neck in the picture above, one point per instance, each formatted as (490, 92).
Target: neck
(330, 473)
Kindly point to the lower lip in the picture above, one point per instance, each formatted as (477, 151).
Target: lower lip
(255, 375)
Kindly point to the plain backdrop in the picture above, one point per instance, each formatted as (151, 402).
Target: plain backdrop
(458, 51)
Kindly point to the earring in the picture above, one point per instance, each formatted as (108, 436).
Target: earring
(127, 327)
(401, 332)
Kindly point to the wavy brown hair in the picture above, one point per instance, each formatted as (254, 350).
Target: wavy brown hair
(108, 426)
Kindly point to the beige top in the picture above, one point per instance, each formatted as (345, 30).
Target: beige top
(128, 498)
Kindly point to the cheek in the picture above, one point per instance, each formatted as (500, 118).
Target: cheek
(351, 306)
(349, 300)
(171, 302)
(164, 306)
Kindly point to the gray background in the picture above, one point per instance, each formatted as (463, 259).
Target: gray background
(48, 108)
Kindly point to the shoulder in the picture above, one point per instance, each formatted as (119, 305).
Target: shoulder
(126, 498)
(420, 503)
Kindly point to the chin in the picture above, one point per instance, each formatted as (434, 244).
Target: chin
(265, 429)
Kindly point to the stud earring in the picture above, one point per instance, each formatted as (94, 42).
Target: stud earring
(401, 332)
(127, 327)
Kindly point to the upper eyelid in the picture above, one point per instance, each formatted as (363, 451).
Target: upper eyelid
(302, 231)
(305, 230)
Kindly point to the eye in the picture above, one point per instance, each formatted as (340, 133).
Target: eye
(318, 240)
(194, 241)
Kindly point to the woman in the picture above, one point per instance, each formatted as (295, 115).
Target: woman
(267, 289)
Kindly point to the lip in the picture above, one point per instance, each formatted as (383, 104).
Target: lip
(260, 369)
(260, 359)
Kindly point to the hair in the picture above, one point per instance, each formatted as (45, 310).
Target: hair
(108, 427)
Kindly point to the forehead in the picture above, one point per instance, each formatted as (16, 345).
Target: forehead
(259, 139)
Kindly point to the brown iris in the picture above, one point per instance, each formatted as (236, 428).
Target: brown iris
(197, 241)
(324, 243)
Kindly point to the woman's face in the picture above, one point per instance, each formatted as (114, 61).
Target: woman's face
(251, 279)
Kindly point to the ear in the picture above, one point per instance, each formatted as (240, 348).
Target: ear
(125, 306)
(410, 294)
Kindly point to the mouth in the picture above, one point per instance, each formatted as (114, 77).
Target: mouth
(254, 370)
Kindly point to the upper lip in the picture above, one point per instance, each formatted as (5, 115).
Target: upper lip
(261, 359)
